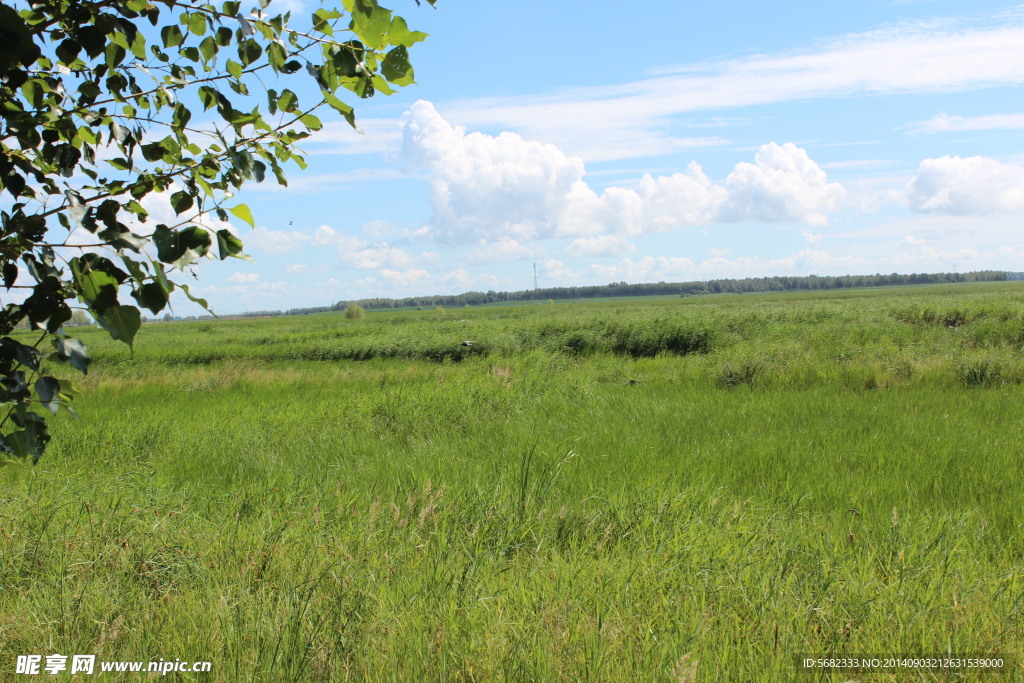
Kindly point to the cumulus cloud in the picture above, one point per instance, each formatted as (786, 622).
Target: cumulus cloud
(389, 279)
(275, 241)
(483, 185)
(374, 256)
(554, 271)
(966, 186)
(502, 250)
(244, 278)
(486, 188)
(783, 183)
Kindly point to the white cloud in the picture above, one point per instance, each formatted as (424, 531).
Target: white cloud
(944, 123)
(406, 279)
(296, 268)
(553, 273)
(932, 56)
(965, 186)
(482, 185)
(501, 250)
(647, 269)
(490, 188)
(783, 184)
(244, 278)
(275, 241)
(357, 253)
(378, 228)
(462, 280)
(325, 235)
(660, 203)
(859, 164)
(374, 256)
(600, 245)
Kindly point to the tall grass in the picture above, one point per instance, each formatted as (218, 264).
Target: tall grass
(818, 475)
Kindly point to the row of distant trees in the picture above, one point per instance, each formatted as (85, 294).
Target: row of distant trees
(619, 289)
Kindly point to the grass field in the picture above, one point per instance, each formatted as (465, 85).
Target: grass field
(675, 489)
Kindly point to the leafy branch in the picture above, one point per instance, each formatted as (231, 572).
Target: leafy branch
(74, 88)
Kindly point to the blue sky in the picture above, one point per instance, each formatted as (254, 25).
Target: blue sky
(670, 141)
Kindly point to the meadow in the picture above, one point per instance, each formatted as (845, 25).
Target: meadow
(671, 489)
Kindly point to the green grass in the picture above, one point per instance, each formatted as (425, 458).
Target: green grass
(602, 491)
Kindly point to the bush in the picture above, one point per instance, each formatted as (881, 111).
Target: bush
(354, 312)
(979, 373)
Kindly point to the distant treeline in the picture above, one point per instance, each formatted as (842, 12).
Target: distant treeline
(623, 289)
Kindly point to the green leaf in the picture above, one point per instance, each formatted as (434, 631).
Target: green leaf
(229, 245)
(152, 296)
(197, 23)
(396, 67)
(249, 51)
(138, 46)
(287, 101)
(10, 274)
(171, 36)
(399, 34)
(32, 92)
(311, 122)
(18, 44)
(181, 202)
(208, 48)
(322, 21)
(371, 23)
(122, 322)
(93, 39)
(161, 277)
(276, 56)
(243, 212)
(26, 355)
(201, 302)
(95, 288)
(181, 247)
(120, 237)
(72, 351)
(31, 440)
(48, 391)
(342, 108)
(68, 50)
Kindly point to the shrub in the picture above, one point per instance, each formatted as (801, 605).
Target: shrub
(979, 373)
(741, 374)
(354, 312)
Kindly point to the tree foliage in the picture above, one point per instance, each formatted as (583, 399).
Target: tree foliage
(107, 102)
